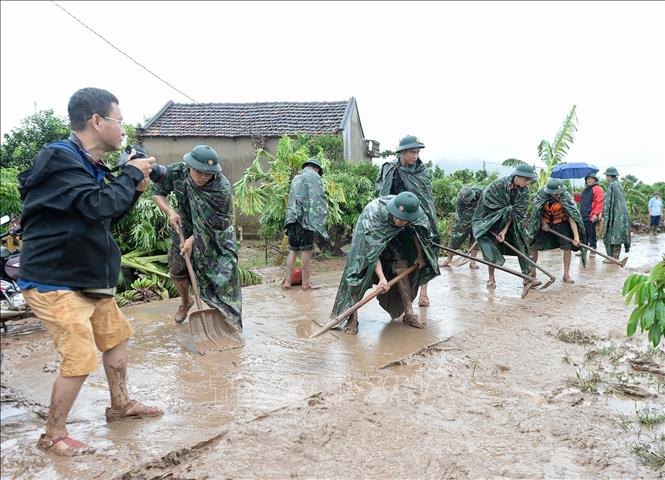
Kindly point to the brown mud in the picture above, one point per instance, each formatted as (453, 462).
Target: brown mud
(489, 389)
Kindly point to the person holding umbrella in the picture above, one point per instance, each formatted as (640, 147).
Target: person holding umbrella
(591, 208)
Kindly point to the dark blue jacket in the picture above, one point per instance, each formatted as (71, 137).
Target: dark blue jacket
(67, 216)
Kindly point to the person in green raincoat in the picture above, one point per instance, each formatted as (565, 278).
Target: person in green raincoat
(407, 173)
(305, 218)
(616, 220)
(210, 237)
(391, 234)
(502, 211)
(555, 210)
(467, 201)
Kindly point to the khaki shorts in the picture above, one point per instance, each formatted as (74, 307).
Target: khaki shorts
(79, 325)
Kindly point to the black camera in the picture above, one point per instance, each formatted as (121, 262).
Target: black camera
(157, 172)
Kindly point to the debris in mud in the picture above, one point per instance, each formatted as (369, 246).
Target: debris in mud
(647, 366)
(575, 335)
(9, 395)
(633, 390)
(651, 455)
(150, 470)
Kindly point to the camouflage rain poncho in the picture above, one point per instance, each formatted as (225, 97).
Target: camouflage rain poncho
(616, 221)
(373, 231)
(461, 228)
(497, 205)
(569, 206)
(207, 214)
(415, 179)
(174, 181)
(307, 202)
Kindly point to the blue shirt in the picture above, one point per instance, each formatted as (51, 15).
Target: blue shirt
(655, 206)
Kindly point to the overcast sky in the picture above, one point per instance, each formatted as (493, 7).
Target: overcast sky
(474, 81)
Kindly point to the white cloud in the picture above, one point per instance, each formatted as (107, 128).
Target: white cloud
(473, 80)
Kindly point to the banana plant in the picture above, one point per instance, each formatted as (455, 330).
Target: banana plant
(552, 154)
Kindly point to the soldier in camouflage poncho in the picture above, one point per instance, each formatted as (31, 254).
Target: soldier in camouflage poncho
(467, 201)
(305, 218)
(391, 234)
(616, 221)
(502, 212)
(174, 182)
(407, 173)
(554, 209)
(205, 204)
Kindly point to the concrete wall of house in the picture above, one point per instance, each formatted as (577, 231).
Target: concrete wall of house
(356, 139)
(236, 154)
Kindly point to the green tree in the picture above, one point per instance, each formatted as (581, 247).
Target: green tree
(332, 146)
(10, 200)
(20, 147)
(267, 192)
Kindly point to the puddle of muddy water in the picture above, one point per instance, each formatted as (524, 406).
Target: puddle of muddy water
(278, 365)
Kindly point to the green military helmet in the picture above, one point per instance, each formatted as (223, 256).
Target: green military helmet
(466, 194)
(592, 175)
(204, 159)
(409, 142)
(612, 171)
(314, 162)
(524, 170)
(554, 186)
(405, 206)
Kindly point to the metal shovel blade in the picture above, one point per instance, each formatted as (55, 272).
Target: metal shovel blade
(623, 262)
(548, 283)
(211, 332)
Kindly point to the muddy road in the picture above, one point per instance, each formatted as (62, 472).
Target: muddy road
(495, 386)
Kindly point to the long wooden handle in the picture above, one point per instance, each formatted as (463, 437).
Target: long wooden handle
(190, 269)
(490, 264)
(613, 260)
(522, 255)
(377, 291)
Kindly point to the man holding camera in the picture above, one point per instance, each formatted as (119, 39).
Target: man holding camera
(70, 262)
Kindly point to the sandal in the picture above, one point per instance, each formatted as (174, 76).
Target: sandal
(413, 320)
(133, 409)
(181, 314)
(423, 302)
(67, 446)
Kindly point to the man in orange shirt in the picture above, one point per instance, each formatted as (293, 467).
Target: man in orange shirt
(591, 208)
(554, 209)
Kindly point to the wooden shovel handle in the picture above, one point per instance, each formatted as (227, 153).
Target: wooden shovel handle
(489, 264)
(377, 291)
(190, 269)
(522, 255)
(613, 260)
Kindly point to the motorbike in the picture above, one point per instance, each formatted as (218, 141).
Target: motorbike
(12, 303)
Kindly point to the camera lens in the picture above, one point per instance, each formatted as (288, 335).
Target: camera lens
(157, 173)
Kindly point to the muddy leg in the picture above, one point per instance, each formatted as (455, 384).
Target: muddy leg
(446, 262)
(534, 256)
(423, 301)
(474, 254)
(290, 261)
(566, 267)
(182, 285)
(115, 365)
(404, 288)
(307, 270)
(63, 395)
(491, 282)
(352, 324)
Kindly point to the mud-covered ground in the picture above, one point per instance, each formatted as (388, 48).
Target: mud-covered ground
(496, 386)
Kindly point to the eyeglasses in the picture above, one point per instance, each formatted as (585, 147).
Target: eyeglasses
(119, 122)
